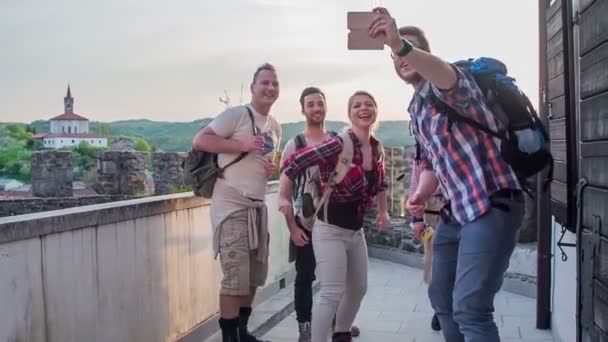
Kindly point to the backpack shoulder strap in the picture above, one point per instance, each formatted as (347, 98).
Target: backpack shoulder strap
(252, 119)
(343, 165)
(300, 141)
(454, 115)
(345, 158)
(243, 154)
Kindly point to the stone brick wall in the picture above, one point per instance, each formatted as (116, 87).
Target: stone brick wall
(121, 173)
(23, 206)
(398, 161)
(168, 172)
(52, 174)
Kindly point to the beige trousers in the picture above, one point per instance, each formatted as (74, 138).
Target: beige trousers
(341, 256)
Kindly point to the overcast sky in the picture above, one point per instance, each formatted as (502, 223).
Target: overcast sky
(170, 61)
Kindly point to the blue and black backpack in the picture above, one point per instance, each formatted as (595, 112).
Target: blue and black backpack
(524, 139)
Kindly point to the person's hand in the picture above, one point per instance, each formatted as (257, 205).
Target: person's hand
(418, 229)
(384, 25)
(415, 204)
(383, 221)
(285, 205)
(270, 168)
(254, 143)
(298, 236)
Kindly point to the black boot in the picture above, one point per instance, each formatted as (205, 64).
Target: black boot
(435, 323)
(342, 337)
(244, 333)
(230, 329)
(355, 331)
(304, 330)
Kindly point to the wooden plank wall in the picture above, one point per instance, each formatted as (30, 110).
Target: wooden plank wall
(593, 80)
(557, 97)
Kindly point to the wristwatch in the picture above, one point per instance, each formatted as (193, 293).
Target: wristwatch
(406, 47)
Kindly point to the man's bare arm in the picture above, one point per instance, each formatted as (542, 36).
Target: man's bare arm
(285, 200)
(427, 185)
(286, 186)
(430, 67)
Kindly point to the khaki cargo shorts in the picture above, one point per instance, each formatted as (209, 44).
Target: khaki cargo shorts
(241, 269)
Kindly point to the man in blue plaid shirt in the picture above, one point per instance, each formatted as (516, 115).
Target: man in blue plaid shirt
(474, 242)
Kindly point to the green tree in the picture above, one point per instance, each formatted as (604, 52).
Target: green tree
(142, 145)
(18, 132)
(30, 129)
(104, 129)
(35, 144)
(84, 158)
(15, 161)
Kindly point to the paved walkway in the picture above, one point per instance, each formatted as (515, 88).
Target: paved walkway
(396, 308)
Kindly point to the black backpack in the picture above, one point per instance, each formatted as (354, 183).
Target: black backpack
(524, 141)
(201, 169)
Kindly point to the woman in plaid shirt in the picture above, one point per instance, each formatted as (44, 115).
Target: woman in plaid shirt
(338, 239)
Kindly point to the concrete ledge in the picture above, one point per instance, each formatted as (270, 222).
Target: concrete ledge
(34, 225)
(27, 226)
(520, 284)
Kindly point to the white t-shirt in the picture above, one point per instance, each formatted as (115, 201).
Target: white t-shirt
(247, 175)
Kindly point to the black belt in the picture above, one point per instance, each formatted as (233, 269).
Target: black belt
(514, 194)
(509, 193)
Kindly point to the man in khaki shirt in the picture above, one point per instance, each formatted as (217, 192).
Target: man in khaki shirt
(238, 209)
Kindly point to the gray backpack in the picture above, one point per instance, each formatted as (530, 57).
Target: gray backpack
(201, 169)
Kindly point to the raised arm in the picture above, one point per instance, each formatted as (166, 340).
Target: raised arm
(430, 67)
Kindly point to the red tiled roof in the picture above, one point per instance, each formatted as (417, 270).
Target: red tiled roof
(71, 135)
(69, 116)
(39, 135)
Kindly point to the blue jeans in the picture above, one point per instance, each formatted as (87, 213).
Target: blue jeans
(469, 262)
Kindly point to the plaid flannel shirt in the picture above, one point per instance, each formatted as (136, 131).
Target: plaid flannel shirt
(466, 161)
(354, 187)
